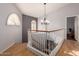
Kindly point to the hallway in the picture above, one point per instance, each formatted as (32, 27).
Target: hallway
(69, 48)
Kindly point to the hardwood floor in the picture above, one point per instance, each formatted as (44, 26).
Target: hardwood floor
(18, 49)
(69, 48)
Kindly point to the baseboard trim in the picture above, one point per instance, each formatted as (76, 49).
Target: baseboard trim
(7, 48)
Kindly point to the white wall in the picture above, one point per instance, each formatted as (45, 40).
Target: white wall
(9, 34)
(58, 18)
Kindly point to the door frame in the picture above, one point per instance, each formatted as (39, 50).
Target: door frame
(66, 25)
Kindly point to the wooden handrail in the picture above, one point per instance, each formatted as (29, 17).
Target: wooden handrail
(47, 30)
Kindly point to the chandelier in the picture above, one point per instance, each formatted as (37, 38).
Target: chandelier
(44, 20)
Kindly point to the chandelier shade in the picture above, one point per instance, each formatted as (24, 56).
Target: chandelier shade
(45, 22)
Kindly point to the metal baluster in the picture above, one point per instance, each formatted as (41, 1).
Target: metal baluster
(49, 47)
(44, 44)
(39, 45)
(39, 42)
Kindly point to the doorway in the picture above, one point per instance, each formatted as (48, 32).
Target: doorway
(71, 28)
(26, 25)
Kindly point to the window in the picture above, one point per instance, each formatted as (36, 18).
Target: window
(13, 19)
(33, 25)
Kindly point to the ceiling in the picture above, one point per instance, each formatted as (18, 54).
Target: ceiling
(37, 9)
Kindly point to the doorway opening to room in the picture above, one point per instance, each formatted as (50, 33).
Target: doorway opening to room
(71, 28)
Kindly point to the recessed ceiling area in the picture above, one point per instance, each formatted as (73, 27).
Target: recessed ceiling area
(37, 9)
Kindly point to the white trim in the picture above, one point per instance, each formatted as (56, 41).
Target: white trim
(37, 52)
(57, 48)
(7, 48)
(66, 24)
(53, 53)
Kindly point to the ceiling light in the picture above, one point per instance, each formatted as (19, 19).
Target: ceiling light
(45, 21)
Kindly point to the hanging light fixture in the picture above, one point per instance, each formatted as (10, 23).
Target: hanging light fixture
(45, 21)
